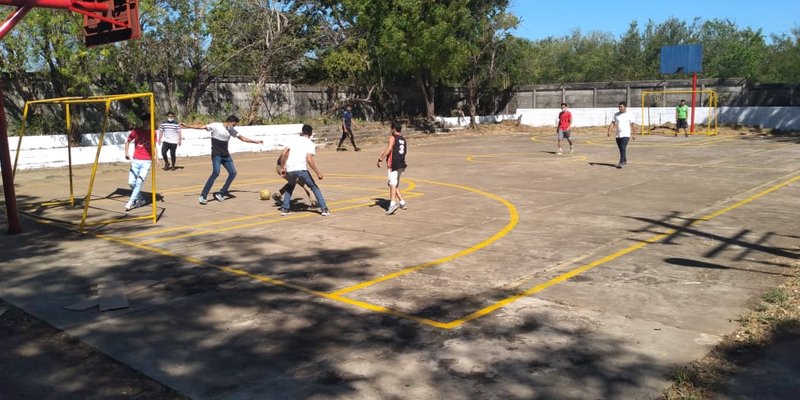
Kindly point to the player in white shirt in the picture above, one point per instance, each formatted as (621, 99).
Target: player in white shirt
(295, 160)
(626, 130)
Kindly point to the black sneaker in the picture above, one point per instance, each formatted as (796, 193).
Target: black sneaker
(325, 212)
(284, 211)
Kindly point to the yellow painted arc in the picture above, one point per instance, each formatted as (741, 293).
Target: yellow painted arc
(513, 220)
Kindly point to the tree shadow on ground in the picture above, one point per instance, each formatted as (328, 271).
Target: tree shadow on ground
(244, 326)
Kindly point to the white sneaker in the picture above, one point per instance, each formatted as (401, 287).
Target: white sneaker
(403, 205)
(392, 208)
(571, 148)
(220, 198)
(202, 200)
(559, 152)
(128, 206)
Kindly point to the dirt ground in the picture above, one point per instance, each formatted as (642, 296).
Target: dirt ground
(36, 357)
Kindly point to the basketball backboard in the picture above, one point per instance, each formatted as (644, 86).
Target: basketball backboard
(682, 59)
(119, 22)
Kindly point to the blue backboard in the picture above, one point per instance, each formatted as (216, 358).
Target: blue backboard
(682, 59)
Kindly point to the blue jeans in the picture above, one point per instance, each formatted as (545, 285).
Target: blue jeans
(622, 143)
(305, 177)
(136, 176)
(216, 161)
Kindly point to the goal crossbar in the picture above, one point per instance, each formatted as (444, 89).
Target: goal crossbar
(106, 100)
(711, 109)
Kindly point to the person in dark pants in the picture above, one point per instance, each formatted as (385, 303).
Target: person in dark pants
(626, 130)
(221, 133)
(169, 133)
(295, 161)
(681, 114)
(347, 129)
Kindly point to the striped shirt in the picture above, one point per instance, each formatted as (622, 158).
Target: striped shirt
(170, 131)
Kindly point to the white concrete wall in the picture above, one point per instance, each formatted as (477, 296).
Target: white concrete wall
(51, 151)
(783, 118)
(480, 119)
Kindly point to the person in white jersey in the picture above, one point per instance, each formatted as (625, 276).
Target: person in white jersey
(626, 130)
(295, 160)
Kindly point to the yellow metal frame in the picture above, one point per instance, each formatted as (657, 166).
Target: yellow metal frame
(713, 101)
(67, 101)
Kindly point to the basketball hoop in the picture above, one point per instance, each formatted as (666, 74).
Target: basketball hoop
(104, 21)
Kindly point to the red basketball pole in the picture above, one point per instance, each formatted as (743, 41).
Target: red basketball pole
(694, 91)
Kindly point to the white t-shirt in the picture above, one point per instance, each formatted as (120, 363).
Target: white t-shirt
(623, 122)
(299, 148)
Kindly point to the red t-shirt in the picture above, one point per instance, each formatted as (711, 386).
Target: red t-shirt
(564, 120)
(141, 143)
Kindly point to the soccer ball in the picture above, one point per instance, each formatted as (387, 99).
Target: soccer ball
(264, 194)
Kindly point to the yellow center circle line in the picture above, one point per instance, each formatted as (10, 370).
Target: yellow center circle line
(513, 220)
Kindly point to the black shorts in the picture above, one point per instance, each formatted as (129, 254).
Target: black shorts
(682, 123)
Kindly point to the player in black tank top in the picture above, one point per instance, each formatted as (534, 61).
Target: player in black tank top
(395, 155)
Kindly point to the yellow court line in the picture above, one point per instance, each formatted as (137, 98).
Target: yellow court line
(410, 186)
(248, 218)
(527, 159)
(563, 277)
(513, 220)
(277, 282)
(606, 142)
(470, 317)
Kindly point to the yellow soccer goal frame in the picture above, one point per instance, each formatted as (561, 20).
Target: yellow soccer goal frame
(107, 100)
(706, 95)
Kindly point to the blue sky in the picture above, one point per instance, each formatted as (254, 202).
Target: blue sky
(541, 19)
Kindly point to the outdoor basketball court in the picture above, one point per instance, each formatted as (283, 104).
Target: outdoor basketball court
(514, 272)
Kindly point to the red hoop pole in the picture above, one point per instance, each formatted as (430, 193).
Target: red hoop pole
(694, 91)
(14, 226)
(13, 19)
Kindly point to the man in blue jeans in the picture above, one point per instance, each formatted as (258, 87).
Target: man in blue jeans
(295, 160)
(141, 163)
(221, 133)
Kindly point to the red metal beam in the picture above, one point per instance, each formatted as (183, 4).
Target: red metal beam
(13, 19)
(63, 4)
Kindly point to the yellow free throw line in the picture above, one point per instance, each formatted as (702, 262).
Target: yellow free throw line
(620, 253)
(513, 220)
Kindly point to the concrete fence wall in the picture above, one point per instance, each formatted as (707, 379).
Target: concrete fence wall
(51, 151)
(781, 118)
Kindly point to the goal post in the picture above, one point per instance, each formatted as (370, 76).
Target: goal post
(658, 109)
(106, 100)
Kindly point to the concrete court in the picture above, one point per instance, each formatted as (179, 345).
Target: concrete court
(514, 273)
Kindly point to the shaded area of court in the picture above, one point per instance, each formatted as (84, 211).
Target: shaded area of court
(515, 273)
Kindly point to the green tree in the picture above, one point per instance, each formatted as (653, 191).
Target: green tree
(730, 52)
(782, 63)
(485, 37)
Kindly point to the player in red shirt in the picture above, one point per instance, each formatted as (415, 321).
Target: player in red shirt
(141, 163)
(563, 129)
